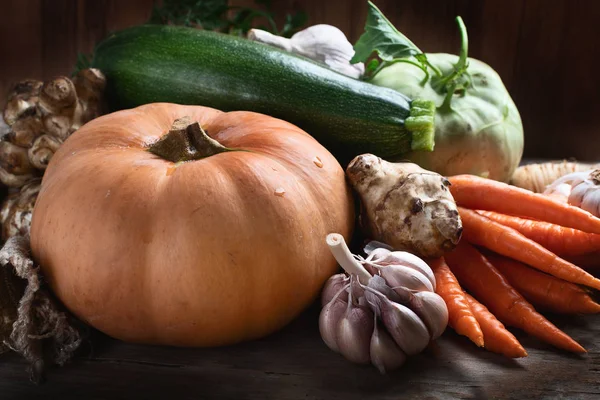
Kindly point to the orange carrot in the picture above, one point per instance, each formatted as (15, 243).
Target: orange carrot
(490, 287)
(460, 317)
(504, 240)
(497, 338)
(558, 239)
(542, 289)
(473, 192)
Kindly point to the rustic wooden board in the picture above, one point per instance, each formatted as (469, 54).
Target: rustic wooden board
(295, 364)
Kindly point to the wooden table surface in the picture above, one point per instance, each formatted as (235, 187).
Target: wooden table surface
(295, 364)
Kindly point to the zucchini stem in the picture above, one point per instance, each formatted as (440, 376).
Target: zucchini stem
(186, 141)
(421, 124)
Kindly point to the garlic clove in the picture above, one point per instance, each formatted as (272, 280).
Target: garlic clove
(407, 260)
(379, 284)
(404, 326)
(591, 200)
(432, 310)
(385, 353)
(332, 286)
(401, 276)
(354, 332)
(330, 317)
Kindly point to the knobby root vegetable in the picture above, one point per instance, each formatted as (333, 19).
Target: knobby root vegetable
(41, 151)
(22, 100)
(504, 240)
(485, 194)
(536, 177)
(489, 286)
(40, 116)
(405, 206)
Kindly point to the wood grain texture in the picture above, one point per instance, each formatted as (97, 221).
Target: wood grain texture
(295, 364)
(546, 52)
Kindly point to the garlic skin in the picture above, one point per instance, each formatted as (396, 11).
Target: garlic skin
(322, 43)
(584, 190)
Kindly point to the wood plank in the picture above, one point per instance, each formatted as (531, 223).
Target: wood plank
(295, 364)
(576, 91)
(59, 37)
(538, 51)
(20, 43)
(123, 14)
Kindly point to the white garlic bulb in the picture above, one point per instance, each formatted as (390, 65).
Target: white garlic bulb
(322, 43)
(389, 315)
(584, 190)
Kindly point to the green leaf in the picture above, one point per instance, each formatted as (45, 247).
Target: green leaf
(382, 37)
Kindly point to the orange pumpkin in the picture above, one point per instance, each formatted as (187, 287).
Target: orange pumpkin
(226, 247)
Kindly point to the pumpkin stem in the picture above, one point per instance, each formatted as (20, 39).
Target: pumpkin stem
(186, 141)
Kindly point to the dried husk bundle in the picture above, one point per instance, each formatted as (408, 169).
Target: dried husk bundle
(32, 322)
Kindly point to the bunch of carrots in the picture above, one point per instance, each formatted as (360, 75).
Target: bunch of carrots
(517, 251)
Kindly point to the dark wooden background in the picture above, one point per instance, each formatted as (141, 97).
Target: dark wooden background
(547, 52)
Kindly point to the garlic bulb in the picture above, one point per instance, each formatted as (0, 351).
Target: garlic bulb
(584, 191)
(389, 315)
(323, 43)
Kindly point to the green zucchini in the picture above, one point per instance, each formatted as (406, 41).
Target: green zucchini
(158, 63)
